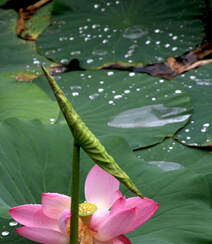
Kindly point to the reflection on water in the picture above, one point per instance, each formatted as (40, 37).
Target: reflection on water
(134, 32)
(149, 116)
(166, 166)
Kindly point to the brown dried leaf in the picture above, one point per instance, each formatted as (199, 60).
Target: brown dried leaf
(25, 14)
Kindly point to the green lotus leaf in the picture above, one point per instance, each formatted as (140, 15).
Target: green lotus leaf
(142, 109)
(198, 84)
(36, 158)
(39, 21)
(171, 155)
(127, 31)
(25, 100)
(2, 2)
(16, 55)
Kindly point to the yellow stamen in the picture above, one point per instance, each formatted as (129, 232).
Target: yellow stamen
(85, 235)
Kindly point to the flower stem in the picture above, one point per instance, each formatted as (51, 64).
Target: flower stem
(75, 194)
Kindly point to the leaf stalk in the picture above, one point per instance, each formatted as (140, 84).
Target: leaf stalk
(75, 189)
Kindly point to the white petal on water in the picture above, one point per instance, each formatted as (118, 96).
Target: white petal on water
(149, 116)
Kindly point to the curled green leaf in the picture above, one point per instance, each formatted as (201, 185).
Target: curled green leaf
(87, 140)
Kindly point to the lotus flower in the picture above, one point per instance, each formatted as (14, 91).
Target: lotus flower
(104, 217)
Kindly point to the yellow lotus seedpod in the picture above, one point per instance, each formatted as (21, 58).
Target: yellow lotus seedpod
(86, 209)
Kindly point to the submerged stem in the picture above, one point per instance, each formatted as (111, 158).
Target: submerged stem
(75, 194)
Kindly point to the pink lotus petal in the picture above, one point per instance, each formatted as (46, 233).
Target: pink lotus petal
(98, 218)
(53, 204)
(64, 220)
(118, 194)
(115, 225)
(103, 242)
(41, 235)
(31, 215)
(119, 204)
(122, 240)
(144, 209)
(101, 188)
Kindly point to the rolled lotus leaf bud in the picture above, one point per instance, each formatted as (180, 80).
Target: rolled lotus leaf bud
(86, 139)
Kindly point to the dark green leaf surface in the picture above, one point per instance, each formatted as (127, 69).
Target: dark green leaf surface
(2, 2)
(142, 109)
(16, 55)
(25, 100)
(183, 195)
(198, 84)
(126, 30)
(172, 156)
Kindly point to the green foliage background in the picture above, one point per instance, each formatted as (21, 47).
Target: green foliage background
(170, 163)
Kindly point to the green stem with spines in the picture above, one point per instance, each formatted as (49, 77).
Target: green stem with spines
(75, 189)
